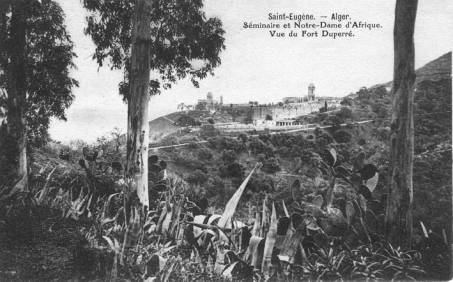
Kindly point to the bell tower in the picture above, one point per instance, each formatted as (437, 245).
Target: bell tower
(311, 92)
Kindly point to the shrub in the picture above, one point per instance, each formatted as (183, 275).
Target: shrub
(192, 145)
(228, 156)
(214, 187)
(380, 92)
(186, 120)
(258, 146)
(264, 137)
(295, 150)
(271, 165)
(382, 133)
(323, 139)
(364, 94)
(228, 143)
(243, 137)
(261, 158)
(344, 114)
(189, 161)
(197, 177)
(284, 151)
(204, 154)
(208, 130)
(346, 101)
(379, 109)
(342, 136)
(232, 170)
(261, 183)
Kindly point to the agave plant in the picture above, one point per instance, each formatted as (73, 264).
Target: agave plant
(326, 264)
(381, 260)
(79, 206)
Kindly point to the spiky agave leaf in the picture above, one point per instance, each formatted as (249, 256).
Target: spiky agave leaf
(264, 218)
(271, 237)
(230, 207)
(293, 239)
(175, 223)
(251, 254)
(256, 224)
(285, 210)
(107, 205)
(45, 191)
(254, 253)
(155, 264)
(350, 211)
(238, 271)
(167, 220)
(162, 216)
(372, 182)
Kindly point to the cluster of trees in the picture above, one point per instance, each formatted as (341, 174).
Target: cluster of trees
(36, 57)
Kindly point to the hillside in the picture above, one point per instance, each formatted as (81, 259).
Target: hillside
(433, 98)
(220, 164)
(435, 70)
(432, 142)
(161, 127)
(164, 126)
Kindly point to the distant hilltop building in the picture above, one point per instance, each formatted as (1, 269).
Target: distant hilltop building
(209, 104)
(282, 113)
(310, 96)
(285, 112)
(311, 92)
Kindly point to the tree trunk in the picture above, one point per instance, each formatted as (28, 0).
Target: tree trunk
(398, 217)
(137, 120)
(16, 125)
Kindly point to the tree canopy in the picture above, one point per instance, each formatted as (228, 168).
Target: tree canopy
(185, 43)
(48, 62)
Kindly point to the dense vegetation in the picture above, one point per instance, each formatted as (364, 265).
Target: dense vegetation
(343, 225)
(286, 157)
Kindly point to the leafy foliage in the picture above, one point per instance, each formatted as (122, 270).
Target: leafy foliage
(185, 42)
(197, 177)
(271, 165)
(432, 120)
(49, 60)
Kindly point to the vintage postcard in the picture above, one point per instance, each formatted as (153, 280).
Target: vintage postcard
(225, 140)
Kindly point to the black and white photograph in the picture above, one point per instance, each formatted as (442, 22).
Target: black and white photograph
(226, 140)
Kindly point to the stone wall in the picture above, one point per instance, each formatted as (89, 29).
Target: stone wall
(285, 111)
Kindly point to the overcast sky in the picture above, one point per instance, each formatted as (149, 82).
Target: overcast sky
(256, 66)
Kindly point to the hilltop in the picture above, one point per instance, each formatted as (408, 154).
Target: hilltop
(435, 70)
(171, 123)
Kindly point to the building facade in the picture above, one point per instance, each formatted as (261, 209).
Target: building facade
(290, 108)
(282, 113)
